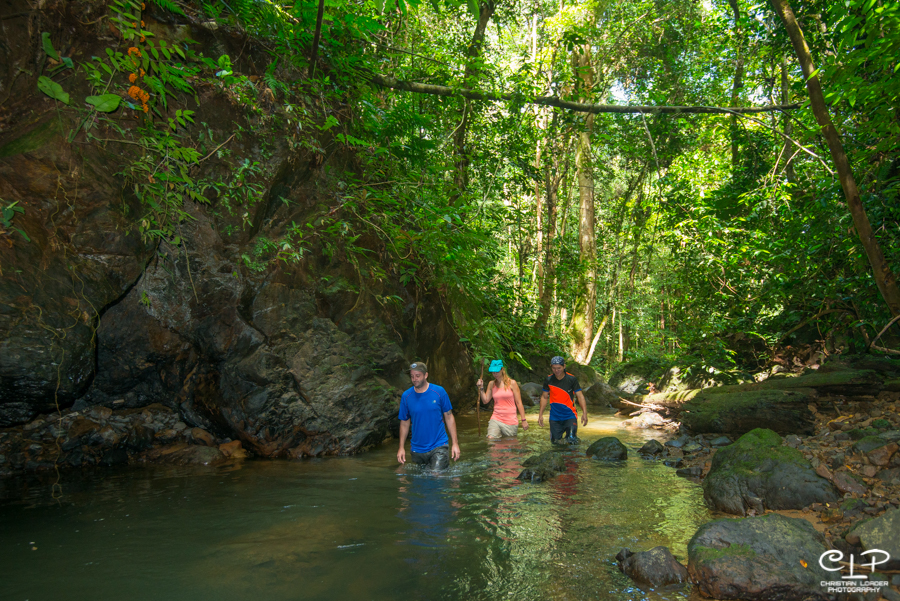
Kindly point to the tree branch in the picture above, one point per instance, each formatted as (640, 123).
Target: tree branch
(581, 107)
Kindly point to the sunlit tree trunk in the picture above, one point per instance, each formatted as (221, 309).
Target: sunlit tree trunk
(473, 70)
(583, 312)
(884, 278)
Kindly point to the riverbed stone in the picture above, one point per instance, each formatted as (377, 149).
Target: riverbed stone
(543, 467)
(868, 443)
(847, 482)
(881, 456)
(201, 436)
(721, 441)
(758, 472)
(645, 420)
(882, 532)
(760, 558)
(609, 448)
(656, 567)
(652, 448)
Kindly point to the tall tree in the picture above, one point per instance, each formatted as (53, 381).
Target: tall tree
(582, 327)
(472, 72)
(884, 277)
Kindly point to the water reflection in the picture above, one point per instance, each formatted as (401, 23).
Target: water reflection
(360, 527)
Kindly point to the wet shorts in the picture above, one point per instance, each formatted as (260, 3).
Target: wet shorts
(437, 458)
(567, 427)
(497, 429)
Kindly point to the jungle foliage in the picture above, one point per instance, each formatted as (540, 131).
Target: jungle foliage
(712, 234)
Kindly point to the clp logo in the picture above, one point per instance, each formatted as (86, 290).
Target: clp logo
(836, 556)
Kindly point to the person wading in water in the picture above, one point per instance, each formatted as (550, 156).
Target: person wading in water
(507, 402)
(427, 408)
(561, 389)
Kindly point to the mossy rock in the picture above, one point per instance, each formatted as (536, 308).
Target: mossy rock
(543, 467)
(869, 443)
(758, 472)
(768, 557)
(882, 532)
(881, 424)
(783, 411)
(860, 433)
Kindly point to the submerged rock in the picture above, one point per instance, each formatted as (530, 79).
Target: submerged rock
(768, 557)
(652, 448)
(608, 449)
(757, 472)
(543, 467)
(656, 567)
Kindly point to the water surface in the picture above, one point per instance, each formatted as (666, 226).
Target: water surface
(354, 527)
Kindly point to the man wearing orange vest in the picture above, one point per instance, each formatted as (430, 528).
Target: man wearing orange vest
(561, 389)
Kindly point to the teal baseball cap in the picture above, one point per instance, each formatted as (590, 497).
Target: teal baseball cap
(496, 365)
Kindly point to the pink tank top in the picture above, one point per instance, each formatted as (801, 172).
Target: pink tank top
(504, 406)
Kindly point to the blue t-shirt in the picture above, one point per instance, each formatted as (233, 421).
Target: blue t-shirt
(426, 410)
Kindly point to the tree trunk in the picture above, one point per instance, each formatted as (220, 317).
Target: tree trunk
(887, 283)
(786, 119)
(463, 157)
(738, 84)
(583, 312)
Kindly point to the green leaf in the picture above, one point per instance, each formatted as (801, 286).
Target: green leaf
(474, 8)
(48, 46)
(106, 103)
(52, 89)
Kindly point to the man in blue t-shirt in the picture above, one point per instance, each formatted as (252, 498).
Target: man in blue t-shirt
(427, 407)
(561, 389)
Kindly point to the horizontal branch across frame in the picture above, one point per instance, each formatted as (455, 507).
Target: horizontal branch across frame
(425, 88)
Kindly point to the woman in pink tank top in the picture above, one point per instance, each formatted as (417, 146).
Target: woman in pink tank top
(507, 403)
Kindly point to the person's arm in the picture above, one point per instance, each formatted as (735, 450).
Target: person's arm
(521, 408)
(404, 432)
(545, 396)
(580, 396)
(486, 396)
(450, 421)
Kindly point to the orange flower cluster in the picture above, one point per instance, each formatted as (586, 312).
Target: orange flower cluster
(134, 91)
(141, 95)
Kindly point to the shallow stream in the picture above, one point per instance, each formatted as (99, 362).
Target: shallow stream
(349, 528)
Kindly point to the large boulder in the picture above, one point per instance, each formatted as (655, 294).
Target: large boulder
(784, 411)
(763, 558)
(531, 393)
(609, 448)
(882, 533)
(656, 567)
(601, 394)
(757, 472)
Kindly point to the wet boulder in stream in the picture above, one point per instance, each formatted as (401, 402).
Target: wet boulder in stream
(543, 467)
(608, 448)
(656, 567)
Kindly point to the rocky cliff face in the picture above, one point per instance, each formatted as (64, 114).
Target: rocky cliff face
(292, 358)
